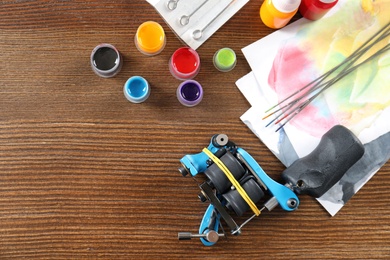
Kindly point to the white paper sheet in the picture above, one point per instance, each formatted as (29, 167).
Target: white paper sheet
(279, 144)
(373, 131)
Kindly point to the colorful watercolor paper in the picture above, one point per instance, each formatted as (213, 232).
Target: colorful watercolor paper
(293, 56)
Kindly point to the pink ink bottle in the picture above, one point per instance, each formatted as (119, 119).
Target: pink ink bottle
(315, 9)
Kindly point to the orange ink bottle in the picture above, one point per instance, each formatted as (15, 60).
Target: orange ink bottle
(150, 38)
(277, 13)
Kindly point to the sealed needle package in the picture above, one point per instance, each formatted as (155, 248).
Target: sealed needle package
(196, 21)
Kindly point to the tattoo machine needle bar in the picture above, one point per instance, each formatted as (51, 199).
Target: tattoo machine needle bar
(185, 19)
(172, 4)
(197, 34)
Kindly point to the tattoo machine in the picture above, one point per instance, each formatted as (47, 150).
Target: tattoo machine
(235, 182)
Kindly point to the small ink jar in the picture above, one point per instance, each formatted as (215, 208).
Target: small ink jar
(189, 93)
(225, 59)
(136, 89)
(106, 60)
(184, 63)
(150, 38)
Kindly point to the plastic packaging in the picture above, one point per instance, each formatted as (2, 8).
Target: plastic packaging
(136, 89)
(150, 38)
(184, 63)
(189, 93)
(315, 9)
(225, 59)
(213, 14)
(106, 60)
(277, 13)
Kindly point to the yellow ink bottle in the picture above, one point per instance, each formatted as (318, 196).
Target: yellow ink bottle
(277, 13)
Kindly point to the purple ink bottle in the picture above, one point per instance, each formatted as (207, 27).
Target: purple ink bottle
(189, 93)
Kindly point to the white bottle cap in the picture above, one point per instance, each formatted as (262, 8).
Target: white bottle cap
(328, 1)
(286, 6)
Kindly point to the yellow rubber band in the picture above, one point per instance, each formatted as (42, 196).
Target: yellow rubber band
(233, 180)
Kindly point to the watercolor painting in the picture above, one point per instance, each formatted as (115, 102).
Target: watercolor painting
(295, 55)
(354, 101)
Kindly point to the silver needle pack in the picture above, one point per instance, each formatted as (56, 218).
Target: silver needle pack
(196, 21)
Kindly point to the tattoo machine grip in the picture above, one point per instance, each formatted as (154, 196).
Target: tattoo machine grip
(317, 172)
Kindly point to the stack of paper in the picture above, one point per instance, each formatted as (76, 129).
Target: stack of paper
(287, 59)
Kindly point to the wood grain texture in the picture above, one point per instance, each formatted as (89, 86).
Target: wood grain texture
(84, 174)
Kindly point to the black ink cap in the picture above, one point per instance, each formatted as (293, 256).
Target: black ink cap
(106, 60)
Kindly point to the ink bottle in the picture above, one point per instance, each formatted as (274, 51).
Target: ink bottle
(315, 9)
(136, 89)
(106, 60)
(184, 63)
(225, 59)
(189, 93)
(277, 13)
(150, 38)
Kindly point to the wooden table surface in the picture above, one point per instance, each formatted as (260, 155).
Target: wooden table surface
(85, 174)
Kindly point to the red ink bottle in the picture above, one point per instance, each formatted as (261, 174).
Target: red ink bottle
(315, 9)
(184, 63)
